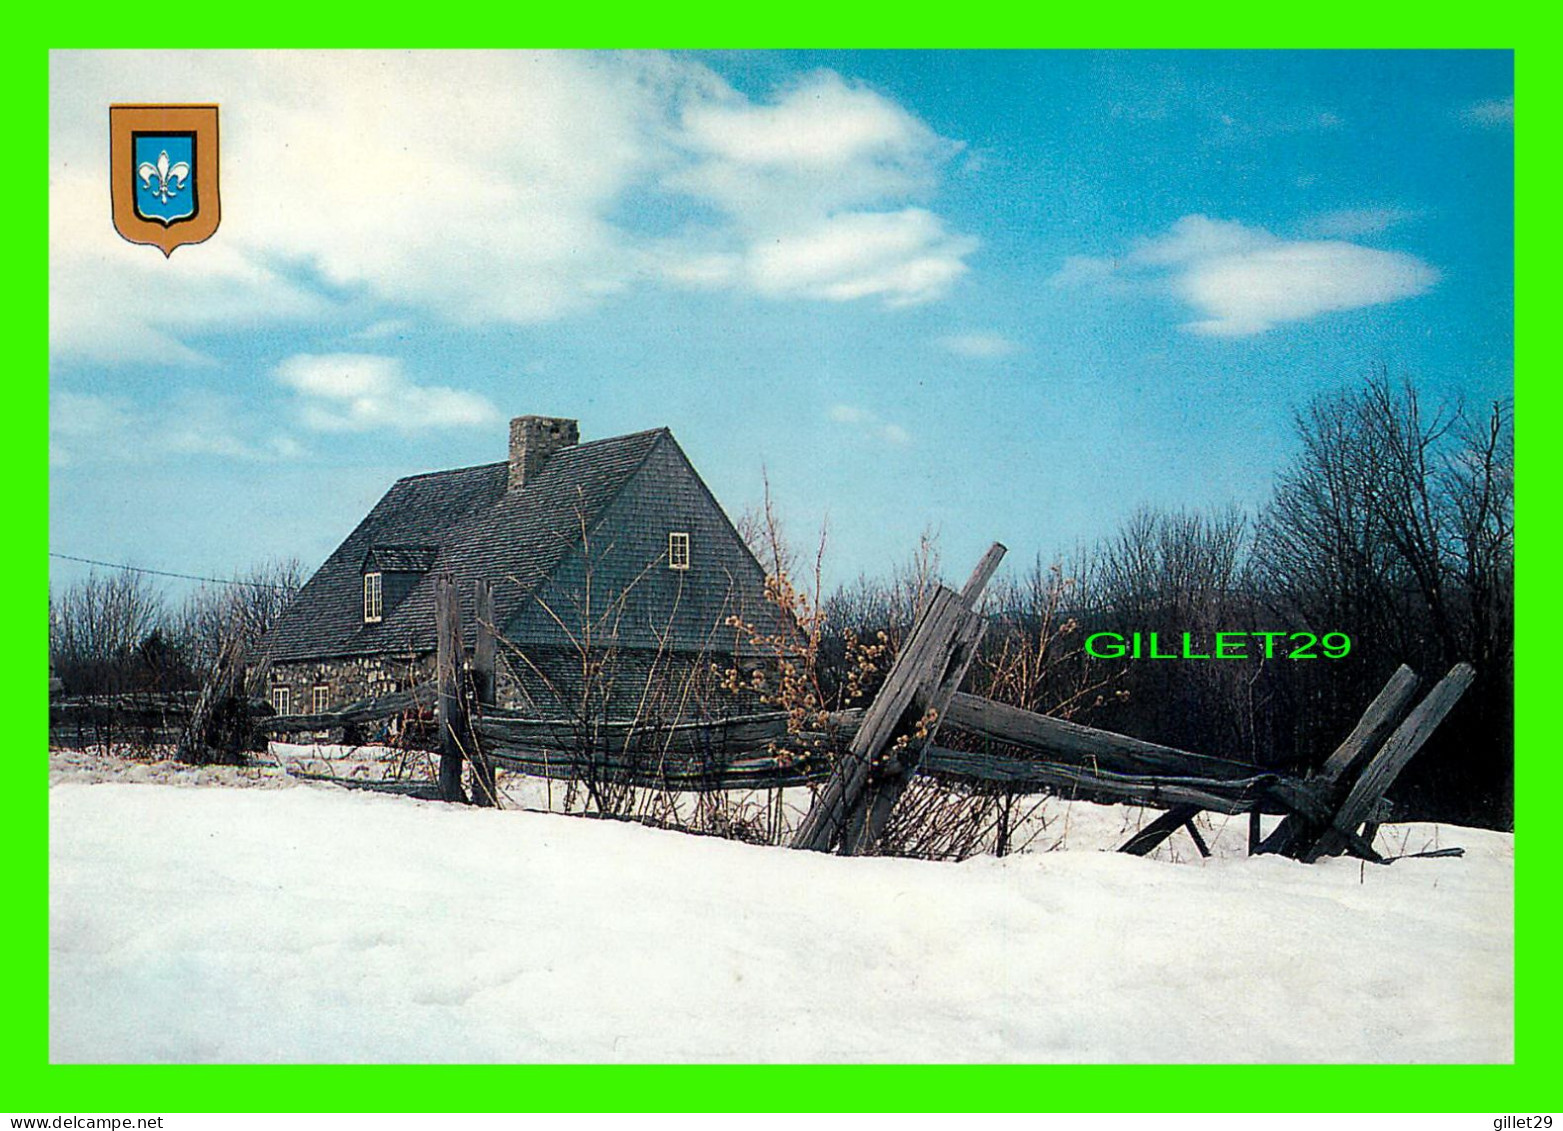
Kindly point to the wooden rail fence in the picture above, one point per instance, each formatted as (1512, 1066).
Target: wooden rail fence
(861, 761)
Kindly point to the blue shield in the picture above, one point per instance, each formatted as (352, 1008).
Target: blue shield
(163, 166)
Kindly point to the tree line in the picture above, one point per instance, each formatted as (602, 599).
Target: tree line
(118, 632)
(1392, 523)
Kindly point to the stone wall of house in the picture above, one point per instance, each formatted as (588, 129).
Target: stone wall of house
(545, 682)
(347, 679)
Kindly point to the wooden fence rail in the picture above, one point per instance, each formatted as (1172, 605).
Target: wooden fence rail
(861, 760)
(1267, 793)
(380, 708)
(740, 734)
(1073, 744)
(1028, 753)
(683, 774)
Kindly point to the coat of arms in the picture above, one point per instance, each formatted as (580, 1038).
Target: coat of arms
(163, 173)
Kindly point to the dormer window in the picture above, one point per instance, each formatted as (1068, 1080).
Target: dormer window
(374, 598)
(678, 550)
(390, 572)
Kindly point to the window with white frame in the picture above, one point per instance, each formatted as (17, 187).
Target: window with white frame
(281, 701)
(678, 550)
(320, 699)
(373, 597)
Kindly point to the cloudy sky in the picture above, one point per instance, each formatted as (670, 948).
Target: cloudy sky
(1006, 295)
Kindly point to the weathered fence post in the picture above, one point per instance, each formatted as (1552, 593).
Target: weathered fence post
(1389, 706)
(484, 677)
(854, 807)
(1384, 767)
(447, 669)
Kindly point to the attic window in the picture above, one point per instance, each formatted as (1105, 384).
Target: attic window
(678, 550)
(373, 598)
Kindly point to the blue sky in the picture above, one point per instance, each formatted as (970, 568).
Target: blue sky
(1007, 296)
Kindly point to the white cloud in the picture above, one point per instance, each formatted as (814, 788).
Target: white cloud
(699, 269)
(820, 147)
(80, 423)
(823, 123)
(356, 392)
(1350, 222)
(480, 187)
(86, 428)
(978, 345)
(902, 257)
(82, 414)
(848, 414)
(868, 425)
(1243, 280)
(384, 328)
(1250, 293)
(816, 192)
(1490, 113)
(111, 301)
(1196, 238)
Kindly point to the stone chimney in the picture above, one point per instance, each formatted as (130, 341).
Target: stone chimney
(532, 440)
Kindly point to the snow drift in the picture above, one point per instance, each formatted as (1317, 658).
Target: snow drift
(317, 924)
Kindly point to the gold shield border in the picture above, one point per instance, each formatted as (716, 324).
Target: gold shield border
(201, 120)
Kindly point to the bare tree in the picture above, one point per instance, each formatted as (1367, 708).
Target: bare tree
(1479, 489)
(1395, 523)
(97, 627)
(242, 611)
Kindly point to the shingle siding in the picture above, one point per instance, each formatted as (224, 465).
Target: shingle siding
(617, 583)
(550, 682)
(395, 588)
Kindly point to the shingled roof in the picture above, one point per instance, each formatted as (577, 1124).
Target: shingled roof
(401, 559)
(466, 523)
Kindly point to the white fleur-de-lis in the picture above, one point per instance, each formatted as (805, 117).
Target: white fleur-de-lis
(170, 178)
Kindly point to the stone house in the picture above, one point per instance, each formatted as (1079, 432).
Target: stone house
(615, 575)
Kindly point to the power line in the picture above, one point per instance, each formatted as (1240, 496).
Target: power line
(168, 573)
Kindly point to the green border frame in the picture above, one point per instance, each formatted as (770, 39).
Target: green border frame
(32, 1085)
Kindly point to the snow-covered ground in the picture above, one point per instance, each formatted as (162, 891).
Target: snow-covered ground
(308, 922)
